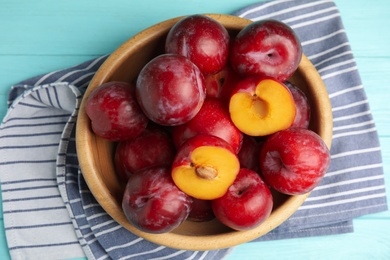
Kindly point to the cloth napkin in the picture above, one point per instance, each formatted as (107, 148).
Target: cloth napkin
(49, 212)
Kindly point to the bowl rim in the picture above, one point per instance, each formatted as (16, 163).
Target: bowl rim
(88, 165)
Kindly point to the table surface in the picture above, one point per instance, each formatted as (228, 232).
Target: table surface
(41, 36)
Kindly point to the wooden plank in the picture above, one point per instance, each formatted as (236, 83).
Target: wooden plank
(41, 36)
(4, 254)
(94, 31)
(22, 67)
(97, 35)
(369, 241)
(366, 26)
(374, 73)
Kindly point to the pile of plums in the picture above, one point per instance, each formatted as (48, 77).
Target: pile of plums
(211, 126)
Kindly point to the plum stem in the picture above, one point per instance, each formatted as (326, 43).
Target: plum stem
(206, 172)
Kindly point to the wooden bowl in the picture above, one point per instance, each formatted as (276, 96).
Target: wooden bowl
(96, 154)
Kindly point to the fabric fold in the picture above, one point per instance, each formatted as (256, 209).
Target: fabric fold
(354, 184)
(100, 236)
(32, 204)
(49, 211)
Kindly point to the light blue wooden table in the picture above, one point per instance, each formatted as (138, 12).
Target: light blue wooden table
(41, 36)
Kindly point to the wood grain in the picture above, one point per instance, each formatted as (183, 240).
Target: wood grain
(369, 241)
(95, 153)
(40, 36)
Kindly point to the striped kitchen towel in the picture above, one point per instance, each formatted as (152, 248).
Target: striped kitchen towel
(354, 183)
(50, 213)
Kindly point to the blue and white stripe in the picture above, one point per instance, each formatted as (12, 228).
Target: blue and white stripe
(50, 213)
(32, 204)
(354, 183)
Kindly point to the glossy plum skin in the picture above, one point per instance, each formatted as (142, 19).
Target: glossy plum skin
(170, 89)
(246, 204)
(153, 203)
(221, 84)
(212, 119)
(249, 153)
(114, 112)
(267, 48)
(201, 211)
(294, 161)
(153, 147)
(302, 105)
(202, 40)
